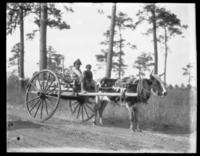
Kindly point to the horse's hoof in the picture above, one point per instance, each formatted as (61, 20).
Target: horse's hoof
(132, 129)
(94, 124)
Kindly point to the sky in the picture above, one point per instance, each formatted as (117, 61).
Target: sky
(87, 27)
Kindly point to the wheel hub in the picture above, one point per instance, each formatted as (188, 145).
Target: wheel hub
(42, 95)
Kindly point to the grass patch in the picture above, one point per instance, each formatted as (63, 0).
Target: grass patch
(15, 96)
(176, 110)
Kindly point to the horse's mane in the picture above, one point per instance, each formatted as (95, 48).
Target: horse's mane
(156, 77)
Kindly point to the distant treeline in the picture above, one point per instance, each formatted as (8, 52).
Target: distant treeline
(13, 82)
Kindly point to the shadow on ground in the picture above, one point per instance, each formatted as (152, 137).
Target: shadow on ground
(165, 129)
(19, 124)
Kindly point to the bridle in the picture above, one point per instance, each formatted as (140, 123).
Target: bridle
(141, 89)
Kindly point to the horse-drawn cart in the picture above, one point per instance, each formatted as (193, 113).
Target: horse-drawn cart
(45, 90)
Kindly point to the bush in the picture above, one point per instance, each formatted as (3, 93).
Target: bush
(182, 86)
(12, 82)
(14, 93)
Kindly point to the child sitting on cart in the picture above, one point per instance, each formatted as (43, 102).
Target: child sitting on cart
(89, 83)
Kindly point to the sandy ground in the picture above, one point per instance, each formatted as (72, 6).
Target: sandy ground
(61, 135)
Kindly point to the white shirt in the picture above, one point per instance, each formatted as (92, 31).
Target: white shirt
(76, 73)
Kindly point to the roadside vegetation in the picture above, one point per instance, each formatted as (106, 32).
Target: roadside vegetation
(174, 111)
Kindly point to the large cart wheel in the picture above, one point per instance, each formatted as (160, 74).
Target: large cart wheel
(43, 95)
(82, 108)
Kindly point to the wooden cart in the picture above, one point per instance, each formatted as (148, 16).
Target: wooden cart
(45, 90)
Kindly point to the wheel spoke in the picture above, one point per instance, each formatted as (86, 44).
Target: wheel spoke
(46, 107)
(51, 90)
(43, 95)
(86, 111)
(32, 93)
(34, 105)
(33, 99)
(74, 103)
(39, 83)
(30, 83)
(90, 108)
(82, 112)
(43, 77)
(46, 88)
(47, 82)
(50, 102)
(78, 112)
(75, 108)
(37, 109)
(41, 109)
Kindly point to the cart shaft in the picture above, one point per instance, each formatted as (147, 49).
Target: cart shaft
(94, 94)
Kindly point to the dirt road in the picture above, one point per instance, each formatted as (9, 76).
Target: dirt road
(59, 135)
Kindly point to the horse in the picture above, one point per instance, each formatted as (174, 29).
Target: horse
(145, 87)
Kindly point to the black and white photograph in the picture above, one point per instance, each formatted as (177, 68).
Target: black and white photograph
(101, 77)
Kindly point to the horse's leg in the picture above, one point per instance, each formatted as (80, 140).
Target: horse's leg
(136, 116)
(103, 105)
(131, 117)
(95, 116)
(96, 110)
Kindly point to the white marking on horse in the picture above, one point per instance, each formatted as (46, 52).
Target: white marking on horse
(161, 83)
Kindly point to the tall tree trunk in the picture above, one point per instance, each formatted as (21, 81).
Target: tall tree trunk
(120, 55)
(18, 63)
(166, 53)
(43, 31)
(109, 56)
(21, 68)
(155, 40)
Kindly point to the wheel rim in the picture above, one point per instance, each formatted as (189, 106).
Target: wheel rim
(43, 95)
(82, 109)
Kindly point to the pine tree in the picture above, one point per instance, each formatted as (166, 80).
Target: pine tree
(111, 39)
(16, 12)
(142, 63)
(171, 25)
(149, 14)
(122, 22)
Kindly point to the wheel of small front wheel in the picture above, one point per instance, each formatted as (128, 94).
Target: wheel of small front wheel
(82, 108)
(43, 95)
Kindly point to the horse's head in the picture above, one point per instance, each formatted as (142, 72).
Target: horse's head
(157, 86)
